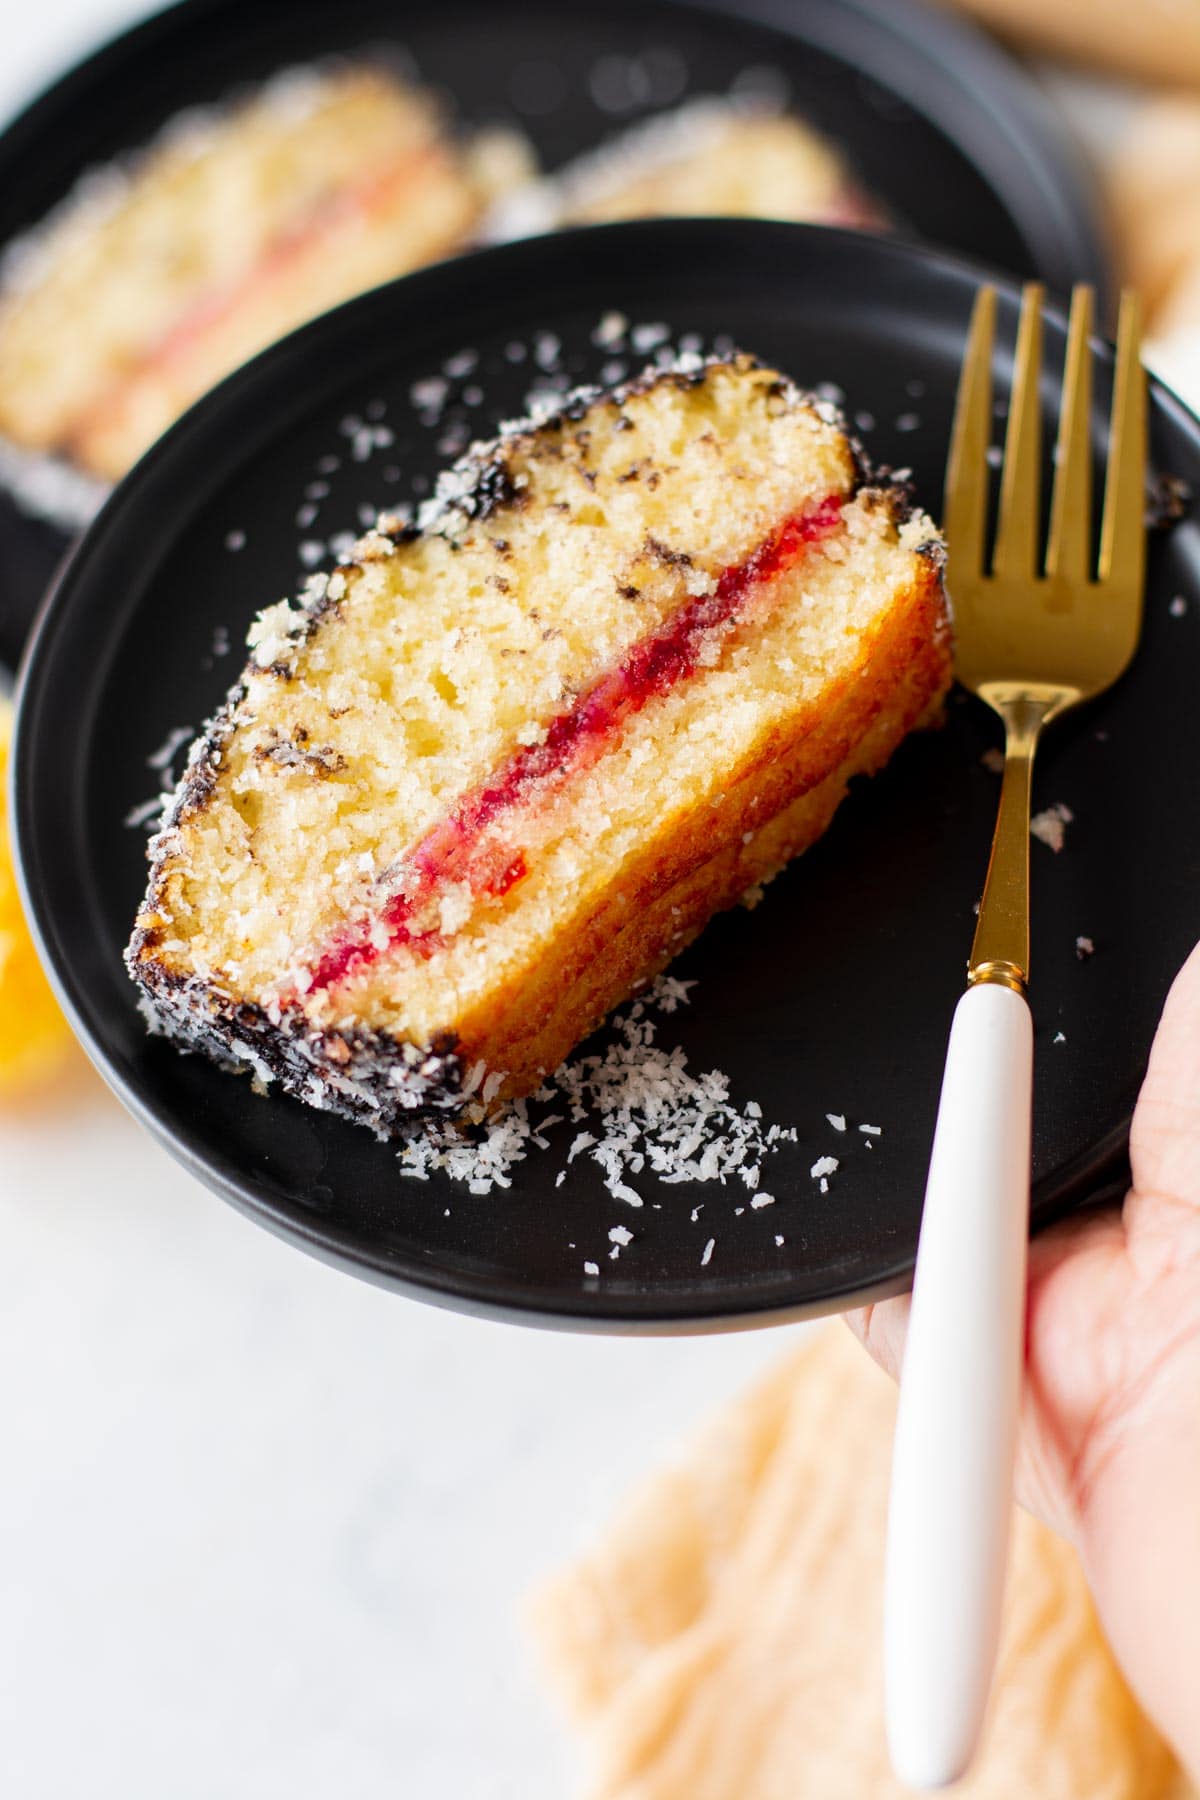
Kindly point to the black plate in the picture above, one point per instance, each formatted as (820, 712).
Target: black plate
(834, 996)
(937, 121)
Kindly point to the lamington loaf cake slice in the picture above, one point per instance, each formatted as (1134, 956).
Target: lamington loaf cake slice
(162, 274)
(706, 158)
(502, 766)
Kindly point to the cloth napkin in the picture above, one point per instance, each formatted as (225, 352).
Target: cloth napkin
(722, 1642)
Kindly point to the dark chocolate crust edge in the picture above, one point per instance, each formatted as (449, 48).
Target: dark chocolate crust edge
(368, 1077)
(373, 1077)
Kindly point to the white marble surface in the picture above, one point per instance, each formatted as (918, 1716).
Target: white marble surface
(264, 1530)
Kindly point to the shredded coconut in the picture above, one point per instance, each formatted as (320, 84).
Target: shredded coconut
(610, 330)
(365, 436)
(641, 1110)
(164, 756)
(1047, 826)
(147, 812)
(645, 338)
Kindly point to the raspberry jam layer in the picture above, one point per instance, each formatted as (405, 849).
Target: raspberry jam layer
(460, 849)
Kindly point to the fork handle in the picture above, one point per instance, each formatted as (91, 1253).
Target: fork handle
(951, 1492)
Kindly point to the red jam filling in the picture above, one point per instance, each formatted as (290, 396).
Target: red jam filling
(455, 850)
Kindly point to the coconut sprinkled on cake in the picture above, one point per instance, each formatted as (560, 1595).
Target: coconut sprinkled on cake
(468, 490)
(441, 402)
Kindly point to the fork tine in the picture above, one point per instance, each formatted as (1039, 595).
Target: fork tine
(1069, 551)
(1017, 534)
(1123, 531)
(965, 506)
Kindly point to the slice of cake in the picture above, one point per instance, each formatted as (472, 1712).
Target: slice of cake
(500, 768)
(155, 280)
(709, 158)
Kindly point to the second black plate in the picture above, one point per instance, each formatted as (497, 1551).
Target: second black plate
(936, 120)
(833, 997)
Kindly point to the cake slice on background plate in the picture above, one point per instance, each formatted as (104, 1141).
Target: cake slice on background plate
(711, 157)
(159, 276)
(499, 769)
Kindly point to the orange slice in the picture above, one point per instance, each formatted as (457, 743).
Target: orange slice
(33, 1033)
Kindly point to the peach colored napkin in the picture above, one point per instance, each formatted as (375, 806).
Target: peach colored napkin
(722, 1641)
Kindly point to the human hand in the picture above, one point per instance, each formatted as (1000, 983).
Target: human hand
(1109, 1446)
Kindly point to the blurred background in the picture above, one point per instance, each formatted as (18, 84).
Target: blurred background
(265, 1530)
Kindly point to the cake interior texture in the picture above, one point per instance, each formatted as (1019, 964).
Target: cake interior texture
(497, 770)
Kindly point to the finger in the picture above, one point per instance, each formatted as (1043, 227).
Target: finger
(1059, 1243)
(881, 1330)
(1063, 1265)
(1164, 1143)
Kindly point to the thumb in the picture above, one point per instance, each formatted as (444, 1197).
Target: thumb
(1164, 1143)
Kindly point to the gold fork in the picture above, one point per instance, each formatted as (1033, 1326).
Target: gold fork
(1031, 643)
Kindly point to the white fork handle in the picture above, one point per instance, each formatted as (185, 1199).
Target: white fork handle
(952, 1463)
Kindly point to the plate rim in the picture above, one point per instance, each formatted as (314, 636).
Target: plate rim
(654, 1310)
